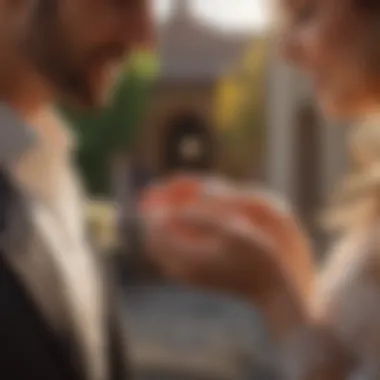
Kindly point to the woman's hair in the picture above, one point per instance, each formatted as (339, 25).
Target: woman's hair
(356, 202)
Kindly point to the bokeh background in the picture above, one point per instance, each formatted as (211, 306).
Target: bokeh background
(212, 96)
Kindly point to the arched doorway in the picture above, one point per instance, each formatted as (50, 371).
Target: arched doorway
(188, 145)
(308, 161)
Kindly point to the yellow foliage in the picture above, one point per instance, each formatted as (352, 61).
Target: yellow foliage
(101, 220)
(256, 58)
(228, 100)
(242, 86)
(239, 106)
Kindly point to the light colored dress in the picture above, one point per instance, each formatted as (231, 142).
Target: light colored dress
(348, 296)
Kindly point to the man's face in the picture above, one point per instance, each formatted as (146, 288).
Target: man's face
(78, 46)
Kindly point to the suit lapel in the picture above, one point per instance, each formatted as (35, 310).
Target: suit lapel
(119, 363)
(26, 251)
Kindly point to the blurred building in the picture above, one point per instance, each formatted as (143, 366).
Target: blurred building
(179, 132)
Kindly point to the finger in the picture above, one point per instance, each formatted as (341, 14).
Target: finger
(246, 239)
(206, 220)
(184, 259)
(238, 248)
(281, 228)
(235, 231)
(274, 201)
(154, 196)
(187, 250)
(166, 242)
(154, 228)
(260, 212)
(215, 187)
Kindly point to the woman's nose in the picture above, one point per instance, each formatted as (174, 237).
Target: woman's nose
(291, 49)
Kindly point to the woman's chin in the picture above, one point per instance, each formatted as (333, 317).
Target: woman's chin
(348, 108)
(343, 111)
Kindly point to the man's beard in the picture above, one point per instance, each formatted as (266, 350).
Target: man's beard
(48, 49)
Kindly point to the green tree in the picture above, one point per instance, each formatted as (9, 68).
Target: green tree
(113, 129)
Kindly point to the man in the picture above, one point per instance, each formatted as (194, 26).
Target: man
(57, 320)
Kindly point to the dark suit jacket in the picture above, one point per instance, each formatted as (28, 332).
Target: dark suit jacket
(37, 341)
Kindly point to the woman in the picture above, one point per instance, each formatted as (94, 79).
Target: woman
(336, 336)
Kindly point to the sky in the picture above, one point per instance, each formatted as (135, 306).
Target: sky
(226, 14)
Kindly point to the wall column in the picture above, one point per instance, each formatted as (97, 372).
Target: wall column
(281, 119)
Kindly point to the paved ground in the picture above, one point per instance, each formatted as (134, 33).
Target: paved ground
(180, 334)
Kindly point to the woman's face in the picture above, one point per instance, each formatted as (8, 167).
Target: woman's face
(337, 43)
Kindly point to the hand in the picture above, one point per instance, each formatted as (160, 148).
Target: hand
(274, 219)
(224, 253)
(234, 238)
(206, 250)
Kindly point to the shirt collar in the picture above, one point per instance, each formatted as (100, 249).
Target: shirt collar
(16, 137)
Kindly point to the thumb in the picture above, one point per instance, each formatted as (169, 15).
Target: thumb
(239, 230)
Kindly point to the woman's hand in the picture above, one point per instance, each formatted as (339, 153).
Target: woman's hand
(189, 220)
(231, 241)
(205, 249)
(273, 219)
(227, 255)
